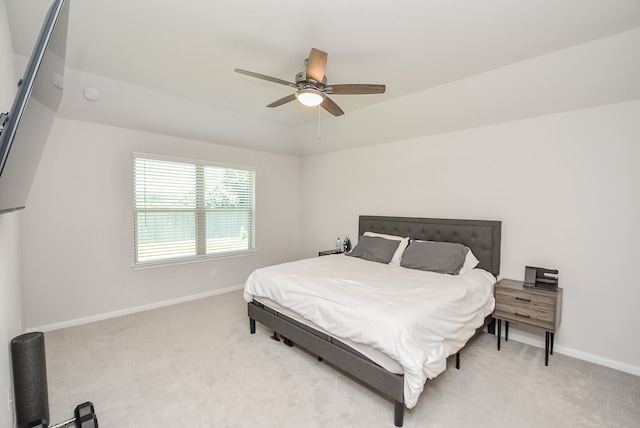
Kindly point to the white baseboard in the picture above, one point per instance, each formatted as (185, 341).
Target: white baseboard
(136, 309)
(538, 341)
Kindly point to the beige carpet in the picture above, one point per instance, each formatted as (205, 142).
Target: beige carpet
(196, 365)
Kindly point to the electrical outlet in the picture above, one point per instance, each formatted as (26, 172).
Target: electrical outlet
(214, 271)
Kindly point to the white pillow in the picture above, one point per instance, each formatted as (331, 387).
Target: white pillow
(404, 242)
(470, 262)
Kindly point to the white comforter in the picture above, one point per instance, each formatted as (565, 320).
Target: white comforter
(417, 318)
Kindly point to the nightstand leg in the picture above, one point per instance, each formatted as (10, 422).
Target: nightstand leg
(546, 348)
(506, 331)
(499, 332)
(551, 347)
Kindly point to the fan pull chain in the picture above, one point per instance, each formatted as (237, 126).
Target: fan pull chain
(319, 137)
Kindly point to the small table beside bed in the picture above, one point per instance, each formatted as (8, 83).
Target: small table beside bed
(411, 293)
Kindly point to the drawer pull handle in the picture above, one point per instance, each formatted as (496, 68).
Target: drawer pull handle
(523, 299)
(523, 316)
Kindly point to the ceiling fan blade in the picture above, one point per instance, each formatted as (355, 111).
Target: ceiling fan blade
(264, 77)
(331, 107)
(316, 64)
(358, 89)
(284, 100)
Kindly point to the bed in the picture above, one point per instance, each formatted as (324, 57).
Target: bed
(363, 347)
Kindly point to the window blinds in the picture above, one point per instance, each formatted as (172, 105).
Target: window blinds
(189, 209)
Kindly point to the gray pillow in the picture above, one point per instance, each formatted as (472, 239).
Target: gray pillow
(440, 257)
(375, 249)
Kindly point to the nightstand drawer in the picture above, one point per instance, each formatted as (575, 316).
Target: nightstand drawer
(525, 300)
(526, 314)
(525, 297)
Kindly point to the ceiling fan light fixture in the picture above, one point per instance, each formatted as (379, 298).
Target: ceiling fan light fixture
(310, 97)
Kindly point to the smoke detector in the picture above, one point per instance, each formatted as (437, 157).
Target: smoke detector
(92, 94)
(58, 80)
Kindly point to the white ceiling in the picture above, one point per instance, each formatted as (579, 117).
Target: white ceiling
(167, 66)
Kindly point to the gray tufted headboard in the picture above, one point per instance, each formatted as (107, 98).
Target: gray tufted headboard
(481, 236)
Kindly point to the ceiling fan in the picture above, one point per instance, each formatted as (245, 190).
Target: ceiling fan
(311, 85)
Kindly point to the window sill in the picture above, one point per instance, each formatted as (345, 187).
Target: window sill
(191, 260)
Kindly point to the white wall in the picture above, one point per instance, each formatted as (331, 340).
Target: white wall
(565, 187)
(78, 225)
(10, 252)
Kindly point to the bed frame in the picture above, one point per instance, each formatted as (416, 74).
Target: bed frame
(481, 236)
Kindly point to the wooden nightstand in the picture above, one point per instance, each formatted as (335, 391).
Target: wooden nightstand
(529, 306)
(328, 252)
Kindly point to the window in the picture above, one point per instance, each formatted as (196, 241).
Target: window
(186, 209)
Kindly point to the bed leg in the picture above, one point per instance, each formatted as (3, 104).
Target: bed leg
(275, 337)
(458, 361)
(398, 414)
(252, 326)
(491, 327)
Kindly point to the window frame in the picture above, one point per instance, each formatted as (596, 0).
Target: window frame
(199, 210)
